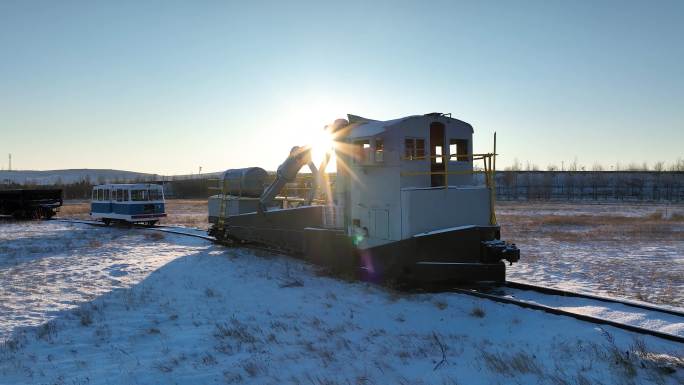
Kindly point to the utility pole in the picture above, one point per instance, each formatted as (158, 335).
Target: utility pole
(10, 162)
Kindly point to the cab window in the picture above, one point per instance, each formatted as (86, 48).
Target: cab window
(458, 150)
(379, 150)
(361, 151)
(414, 148)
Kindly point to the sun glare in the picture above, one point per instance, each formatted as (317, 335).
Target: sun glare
(322, 143)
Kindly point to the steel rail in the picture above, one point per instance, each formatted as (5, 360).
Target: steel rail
(582, 317)
(168, 229)
(172, 230)
(566, 293)
(164, 229)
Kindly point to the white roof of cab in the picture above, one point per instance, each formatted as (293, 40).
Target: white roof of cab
(363, 127)
(128, 185)
(369, 127)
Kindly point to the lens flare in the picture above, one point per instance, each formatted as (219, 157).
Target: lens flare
(322, 143)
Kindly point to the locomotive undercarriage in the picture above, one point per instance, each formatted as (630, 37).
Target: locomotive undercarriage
(464, 254)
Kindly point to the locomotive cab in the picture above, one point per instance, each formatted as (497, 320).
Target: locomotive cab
(414, 204)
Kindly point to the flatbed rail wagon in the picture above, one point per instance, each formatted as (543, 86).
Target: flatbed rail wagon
(30, 203)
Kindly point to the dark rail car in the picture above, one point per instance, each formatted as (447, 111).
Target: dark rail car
(30, 203)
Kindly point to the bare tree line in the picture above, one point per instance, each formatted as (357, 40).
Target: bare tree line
(574, 165)
(591, 185)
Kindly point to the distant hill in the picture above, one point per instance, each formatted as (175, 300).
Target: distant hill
(50, 177)
(93, 175)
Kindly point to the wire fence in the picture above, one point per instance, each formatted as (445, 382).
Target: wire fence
(590, 186)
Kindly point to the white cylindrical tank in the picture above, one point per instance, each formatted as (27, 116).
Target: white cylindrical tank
(244, 182)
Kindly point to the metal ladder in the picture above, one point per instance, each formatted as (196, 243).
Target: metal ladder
(221, 220)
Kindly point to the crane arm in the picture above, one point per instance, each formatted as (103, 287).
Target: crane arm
(287, 172)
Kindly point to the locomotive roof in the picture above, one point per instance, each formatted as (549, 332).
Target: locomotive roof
(360, 127)
(129, 185)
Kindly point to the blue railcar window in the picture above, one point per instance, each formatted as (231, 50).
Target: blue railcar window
(139, 195)
(155, 195)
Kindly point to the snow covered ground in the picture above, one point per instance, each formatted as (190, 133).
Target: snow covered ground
(633, 251)
(46, 267)
(89, 305)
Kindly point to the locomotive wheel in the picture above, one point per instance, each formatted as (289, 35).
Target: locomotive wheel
(19, 214)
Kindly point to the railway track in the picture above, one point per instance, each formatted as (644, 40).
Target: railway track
(190, 232)
(622, 314)
(566, 293)
(633, 316)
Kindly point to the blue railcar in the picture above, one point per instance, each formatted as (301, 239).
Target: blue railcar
(132, 203)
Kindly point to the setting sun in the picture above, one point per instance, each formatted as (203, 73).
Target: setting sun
(322, 143)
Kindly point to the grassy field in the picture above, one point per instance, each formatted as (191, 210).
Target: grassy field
(634, 250)
(184, 212)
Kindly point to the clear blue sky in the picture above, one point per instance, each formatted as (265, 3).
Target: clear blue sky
(165, 87)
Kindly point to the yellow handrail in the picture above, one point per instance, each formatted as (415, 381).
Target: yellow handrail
(489, 160)
(470, 157)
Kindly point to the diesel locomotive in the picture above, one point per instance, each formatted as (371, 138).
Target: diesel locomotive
(407, 204)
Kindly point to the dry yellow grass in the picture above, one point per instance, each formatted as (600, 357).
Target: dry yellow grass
(575, 227)
(185, 212)
(75, 209)
(625, 250)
